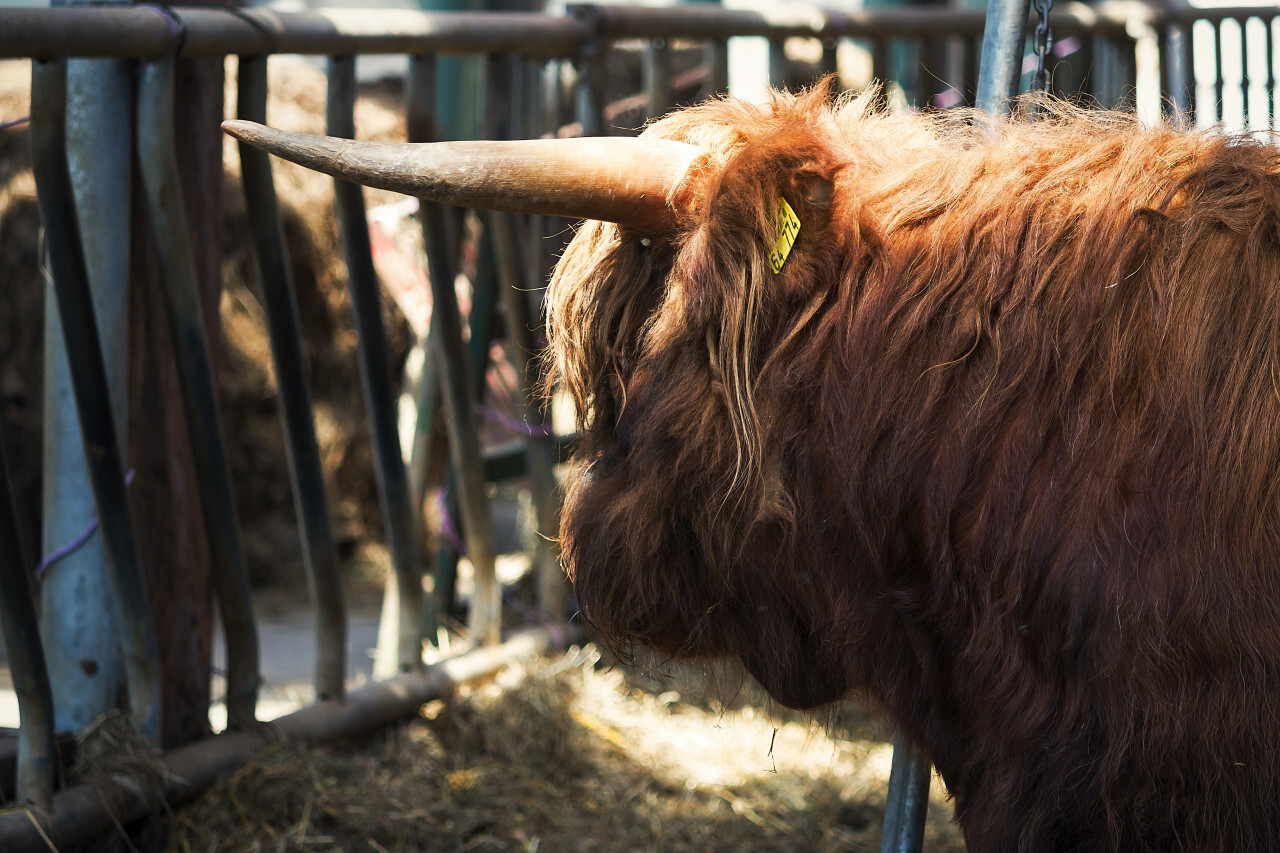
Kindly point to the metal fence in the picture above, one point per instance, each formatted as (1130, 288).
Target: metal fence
(597, 70)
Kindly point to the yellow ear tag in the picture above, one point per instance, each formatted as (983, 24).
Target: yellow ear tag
(786, 227)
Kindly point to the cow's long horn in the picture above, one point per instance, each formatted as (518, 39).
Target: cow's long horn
(633, 182)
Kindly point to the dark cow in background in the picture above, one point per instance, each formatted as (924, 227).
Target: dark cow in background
(998, 447)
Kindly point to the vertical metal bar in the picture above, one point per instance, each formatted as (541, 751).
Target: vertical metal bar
(1127, 60)
(931, 69)
(452, 359)
(1187, 58)
(1083, 64)
(1177, 83)
(1104, 65)
(880, 66)
(656, 72)
(79, 634)
(540, 445)
(929, 62)
(1244, 72)
(717, 52)
(89, 382)
(779, 78)
(1217, 71)
(163, 188)
(540, 450)
(1271, 73)
(426, 400)
(419, 114)
(371, 344)
(830, 63)
(591, 94)
(468, 477)
(21, 632)
(302, 451)
(530, 101)
(972, 51)
(559, 96)
(908, 800)
(1003, 42)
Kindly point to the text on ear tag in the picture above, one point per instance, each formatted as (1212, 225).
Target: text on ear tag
(786, 227)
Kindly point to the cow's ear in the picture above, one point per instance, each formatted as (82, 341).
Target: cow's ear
(815, 190)
(809, 193)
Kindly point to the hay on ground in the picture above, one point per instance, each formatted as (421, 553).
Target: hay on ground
(562, 757)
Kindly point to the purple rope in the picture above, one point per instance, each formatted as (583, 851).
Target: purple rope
(77, 543)
(446, 525)
(177, 26)
(14, 122)
(512, 423)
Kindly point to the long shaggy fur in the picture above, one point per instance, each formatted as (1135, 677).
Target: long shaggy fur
(999, 447)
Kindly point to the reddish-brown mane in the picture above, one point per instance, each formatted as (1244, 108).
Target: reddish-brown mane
(1000, 447)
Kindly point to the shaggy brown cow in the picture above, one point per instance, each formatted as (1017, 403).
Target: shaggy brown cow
(999, 446)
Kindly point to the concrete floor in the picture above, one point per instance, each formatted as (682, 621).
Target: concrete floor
(287, 644)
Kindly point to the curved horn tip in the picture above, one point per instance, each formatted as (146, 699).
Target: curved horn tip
(241, 129)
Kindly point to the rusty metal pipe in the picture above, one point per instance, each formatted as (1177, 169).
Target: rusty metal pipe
(88, 810)
(163, 192)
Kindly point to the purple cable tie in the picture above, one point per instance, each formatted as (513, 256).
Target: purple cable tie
(77, 543)
(512, 423)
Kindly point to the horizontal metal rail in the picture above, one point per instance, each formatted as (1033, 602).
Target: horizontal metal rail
(145, 31)
(81, 812)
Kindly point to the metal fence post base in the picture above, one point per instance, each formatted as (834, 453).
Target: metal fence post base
(908, 800)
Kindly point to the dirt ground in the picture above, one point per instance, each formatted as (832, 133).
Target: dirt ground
(568, 755)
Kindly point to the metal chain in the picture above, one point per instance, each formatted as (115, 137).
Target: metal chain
(1042, 43)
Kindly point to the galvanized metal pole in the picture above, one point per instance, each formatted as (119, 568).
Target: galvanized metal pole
(89, 382)
(1002, 48)
(371, 344)
(80, 641)
(163, 188)
(302, 450)
(908, 800)
(1003, 45)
